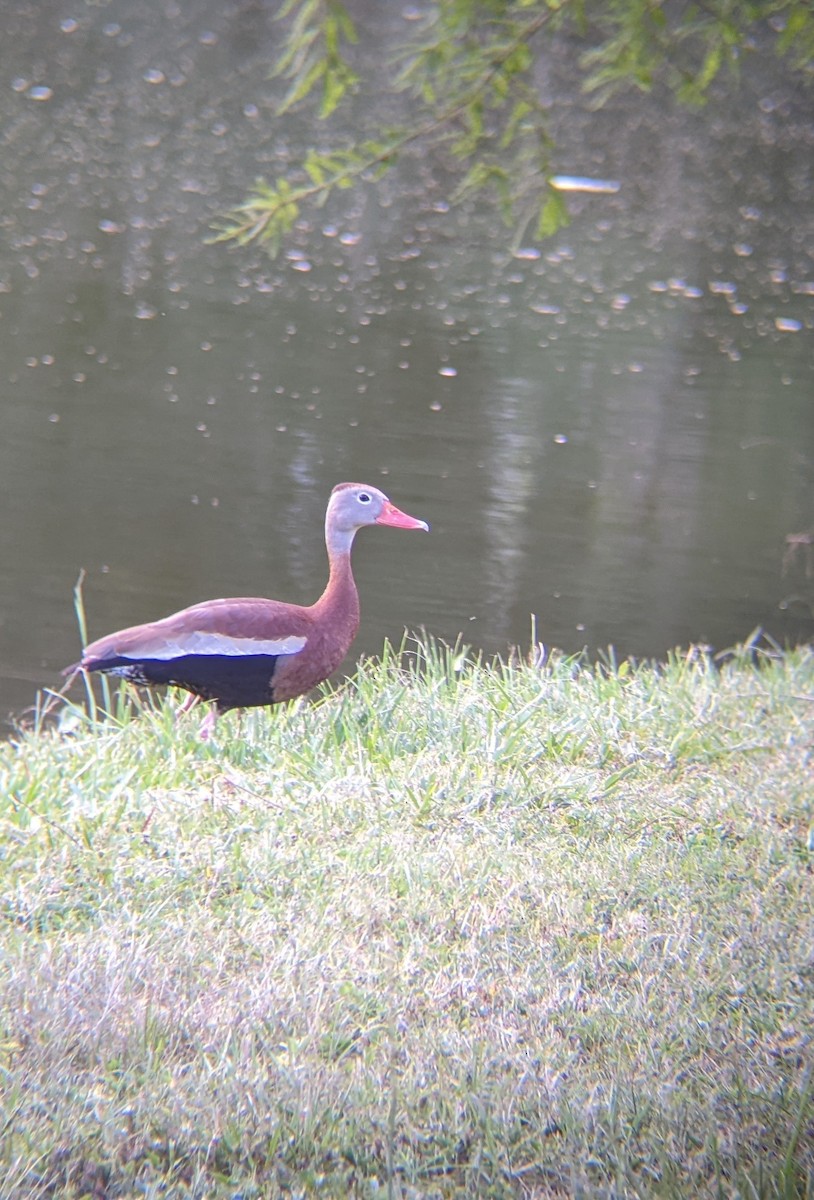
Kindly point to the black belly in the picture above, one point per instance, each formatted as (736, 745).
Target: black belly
(232, 681)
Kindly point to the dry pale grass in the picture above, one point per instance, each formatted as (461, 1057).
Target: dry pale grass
(463, 930)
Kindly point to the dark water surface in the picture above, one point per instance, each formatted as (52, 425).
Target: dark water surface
(613, 431)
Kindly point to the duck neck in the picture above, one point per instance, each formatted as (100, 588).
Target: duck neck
(339, 603)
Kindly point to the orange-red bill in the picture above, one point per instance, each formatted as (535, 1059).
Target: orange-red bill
(390, 515)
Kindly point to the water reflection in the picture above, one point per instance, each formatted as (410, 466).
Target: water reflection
(613, 432)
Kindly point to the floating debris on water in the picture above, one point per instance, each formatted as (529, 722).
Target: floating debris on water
(583, 183)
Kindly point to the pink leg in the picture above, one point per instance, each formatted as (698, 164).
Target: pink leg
(189, 703)
(208, 724)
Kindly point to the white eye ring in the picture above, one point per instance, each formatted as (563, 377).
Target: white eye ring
(364, 498)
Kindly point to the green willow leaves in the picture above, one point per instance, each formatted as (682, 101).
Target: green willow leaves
(464, 71)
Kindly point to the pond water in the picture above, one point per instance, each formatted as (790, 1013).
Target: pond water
(612, 431)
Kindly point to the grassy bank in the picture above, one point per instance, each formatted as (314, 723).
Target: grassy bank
(496, 931)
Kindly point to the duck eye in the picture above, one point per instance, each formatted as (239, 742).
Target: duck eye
(364, 498)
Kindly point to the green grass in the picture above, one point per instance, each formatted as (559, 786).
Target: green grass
(455, 930)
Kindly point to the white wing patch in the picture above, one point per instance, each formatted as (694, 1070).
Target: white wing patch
(165, 649)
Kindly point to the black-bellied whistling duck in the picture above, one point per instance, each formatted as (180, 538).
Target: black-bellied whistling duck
(250, 651)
